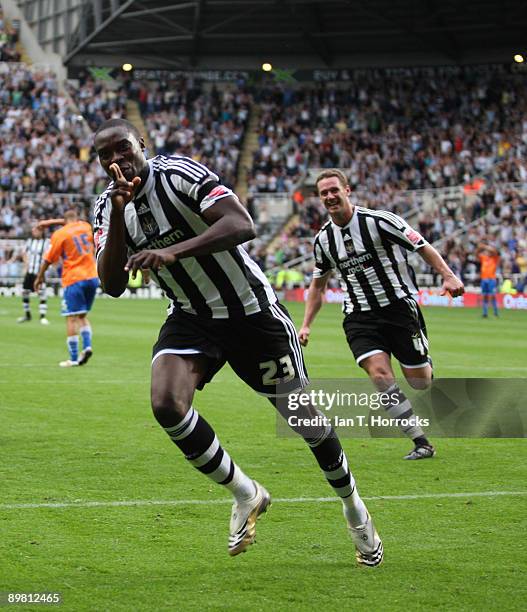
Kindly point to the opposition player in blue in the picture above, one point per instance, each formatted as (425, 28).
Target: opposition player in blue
(73, 245)
(489, 260)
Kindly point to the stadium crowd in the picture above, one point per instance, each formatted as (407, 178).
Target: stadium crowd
(496, 216)
(46, 148)
(195, 119)
(394, 133)
(98, 100)
(392, 136)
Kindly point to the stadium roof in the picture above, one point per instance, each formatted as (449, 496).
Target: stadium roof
(300, 33)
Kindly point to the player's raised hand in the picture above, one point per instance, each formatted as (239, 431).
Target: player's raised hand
(149, 259)
(452, 285)
(303, 335)
(123, 191)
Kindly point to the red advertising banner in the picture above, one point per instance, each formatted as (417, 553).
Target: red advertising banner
(426, 297)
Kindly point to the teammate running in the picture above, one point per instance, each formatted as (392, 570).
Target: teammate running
(368, 249)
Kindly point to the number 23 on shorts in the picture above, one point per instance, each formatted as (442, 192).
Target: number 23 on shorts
(283, 366)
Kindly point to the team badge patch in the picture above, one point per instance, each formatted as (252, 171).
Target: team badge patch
(219, 192)
(413, 236)
(97, 237)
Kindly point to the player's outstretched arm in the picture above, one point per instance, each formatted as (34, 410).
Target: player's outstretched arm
(112, 260)
(488, 248)
(43, 223)
(313, 305)
(451, 283)
(230, 225)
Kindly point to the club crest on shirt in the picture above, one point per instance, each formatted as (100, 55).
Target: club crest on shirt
(350, 249)
(149, 225)
(146, 218)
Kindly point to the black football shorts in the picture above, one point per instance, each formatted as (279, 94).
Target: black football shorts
(397, 329)
(29, 281)
(263, 349)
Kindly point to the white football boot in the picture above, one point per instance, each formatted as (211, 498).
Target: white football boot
(243, 520)
(68, 363)
(368, 544)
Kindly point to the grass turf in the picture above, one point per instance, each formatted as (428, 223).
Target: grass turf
(86, 435)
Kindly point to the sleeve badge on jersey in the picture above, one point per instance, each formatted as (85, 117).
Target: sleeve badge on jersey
(218, 192)
(413, 236)
(97, 237)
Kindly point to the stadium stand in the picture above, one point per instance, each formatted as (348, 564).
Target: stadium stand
(498, 215)
(188, 117)
(45, 145)
(394, 134)
(411, 145)
(98, 101)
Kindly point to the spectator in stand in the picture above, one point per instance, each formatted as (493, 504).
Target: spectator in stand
(8, 41)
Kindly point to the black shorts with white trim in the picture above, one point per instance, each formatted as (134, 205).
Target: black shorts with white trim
(29, 281)
(263, 349)
(397, 329)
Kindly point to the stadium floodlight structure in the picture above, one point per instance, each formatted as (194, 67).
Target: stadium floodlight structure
(237, 34)
(53, 21)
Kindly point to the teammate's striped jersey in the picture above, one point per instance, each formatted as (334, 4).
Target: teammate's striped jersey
(370, 257)
(34, 250)
(167, 209)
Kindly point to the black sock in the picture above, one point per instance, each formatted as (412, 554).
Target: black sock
(198, 442)
(421, 441)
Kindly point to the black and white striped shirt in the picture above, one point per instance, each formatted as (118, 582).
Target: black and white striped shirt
(370, 257)
(34, 250)
(167, 209)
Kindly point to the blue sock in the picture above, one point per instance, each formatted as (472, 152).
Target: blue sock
(73, 347)
(495, 305)
(485, 307)
(86, 336)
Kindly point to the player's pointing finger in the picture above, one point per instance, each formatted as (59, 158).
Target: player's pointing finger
(117, 174)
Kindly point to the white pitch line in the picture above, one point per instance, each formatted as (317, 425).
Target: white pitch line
(485, 368)
(100, 381)
(214, 502)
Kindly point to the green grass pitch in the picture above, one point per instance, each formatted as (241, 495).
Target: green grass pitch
(85, 435)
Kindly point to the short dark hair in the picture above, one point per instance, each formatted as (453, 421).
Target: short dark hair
(117, 122)
(332, 172)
